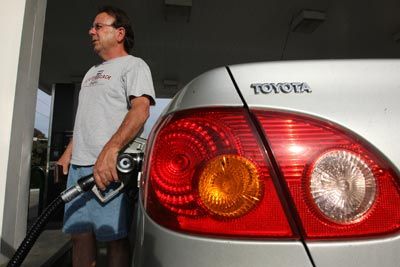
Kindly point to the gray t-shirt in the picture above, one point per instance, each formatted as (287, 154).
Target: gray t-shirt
(103, 103)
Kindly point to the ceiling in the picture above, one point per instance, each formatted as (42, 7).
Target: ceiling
(179, 46)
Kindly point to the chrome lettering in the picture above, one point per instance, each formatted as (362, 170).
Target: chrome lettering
(285, 88)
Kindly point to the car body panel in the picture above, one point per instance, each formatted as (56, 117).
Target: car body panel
(213, 88)
(157, 246)
(375, 252)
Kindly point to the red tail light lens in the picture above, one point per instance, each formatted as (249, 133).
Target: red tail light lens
(207, 173)
(340, 185)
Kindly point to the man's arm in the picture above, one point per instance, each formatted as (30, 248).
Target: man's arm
(65, 158)
(105, 167)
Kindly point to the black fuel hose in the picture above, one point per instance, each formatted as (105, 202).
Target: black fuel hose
(84, 184)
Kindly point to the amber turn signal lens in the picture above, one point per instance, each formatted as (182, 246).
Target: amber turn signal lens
(229, 186)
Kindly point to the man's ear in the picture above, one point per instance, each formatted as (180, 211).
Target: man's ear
(121, 34)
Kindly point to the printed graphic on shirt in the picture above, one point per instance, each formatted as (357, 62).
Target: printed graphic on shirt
(97, 79)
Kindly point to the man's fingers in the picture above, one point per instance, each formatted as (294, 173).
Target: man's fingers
(106, 178)
(65, 169)
(114, 174)
(99, 182)
(105, 170)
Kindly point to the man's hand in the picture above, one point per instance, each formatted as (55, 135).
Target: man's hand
(105, 168)
(65, 158)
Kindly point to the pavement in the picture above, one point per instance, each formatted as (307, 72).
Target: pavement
(51, 246)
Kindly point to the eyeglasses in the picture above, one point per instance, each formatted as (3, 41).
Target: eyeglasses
(99, 26)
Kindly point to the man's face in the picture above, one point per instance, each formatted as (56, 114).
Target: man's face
(104, 35)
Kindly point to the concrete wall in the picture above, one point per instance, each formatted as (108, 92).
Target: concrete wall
(22, 34)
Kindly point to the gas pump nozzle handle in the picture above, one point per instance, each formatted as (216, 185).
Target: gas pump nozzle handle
(126, 165)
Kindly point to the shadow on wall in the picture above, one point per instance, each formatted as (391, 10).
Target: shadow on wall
(6, 250)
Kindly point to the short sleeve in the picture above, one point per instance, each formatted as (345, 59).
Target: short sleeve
(139, 81)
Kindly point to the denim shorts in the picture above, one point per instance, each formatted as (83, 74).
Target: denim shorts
(108, 221)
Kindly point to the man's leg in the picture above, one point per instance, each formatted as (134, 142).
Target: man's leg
(83, 250)
(77, 222)
(118, 253)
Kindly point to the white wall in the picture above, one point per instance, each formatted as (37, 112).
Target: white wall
(21, 41)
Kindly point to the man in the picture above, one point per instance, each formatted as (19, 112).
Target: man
(113, 106)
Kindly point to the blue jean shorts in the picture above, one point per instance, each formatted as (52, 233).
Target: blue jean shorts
(108, 221)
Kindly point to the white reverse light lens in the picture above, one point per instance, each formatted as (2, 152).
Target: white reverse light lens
(342, 186)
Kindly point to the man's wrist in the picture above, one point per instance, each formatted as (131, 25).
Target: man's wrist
(113, 146)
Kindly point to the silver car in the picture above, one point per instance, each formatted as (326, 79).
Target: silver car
(276, 164)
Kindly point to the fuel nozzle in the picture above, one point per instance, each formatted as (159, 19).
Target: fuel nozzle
(128, 167)
(84, 184)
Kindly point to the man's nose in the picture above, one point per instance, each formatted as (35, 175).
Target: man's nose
(92, 31)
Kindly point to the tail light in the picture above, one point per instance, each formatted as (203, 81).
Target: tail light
(207, 173)
(340, 185)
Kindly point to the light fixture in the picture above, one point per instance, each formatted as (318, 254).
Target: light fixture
(170, 85)
(307, 21)
(179, 2)
(177, 10)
